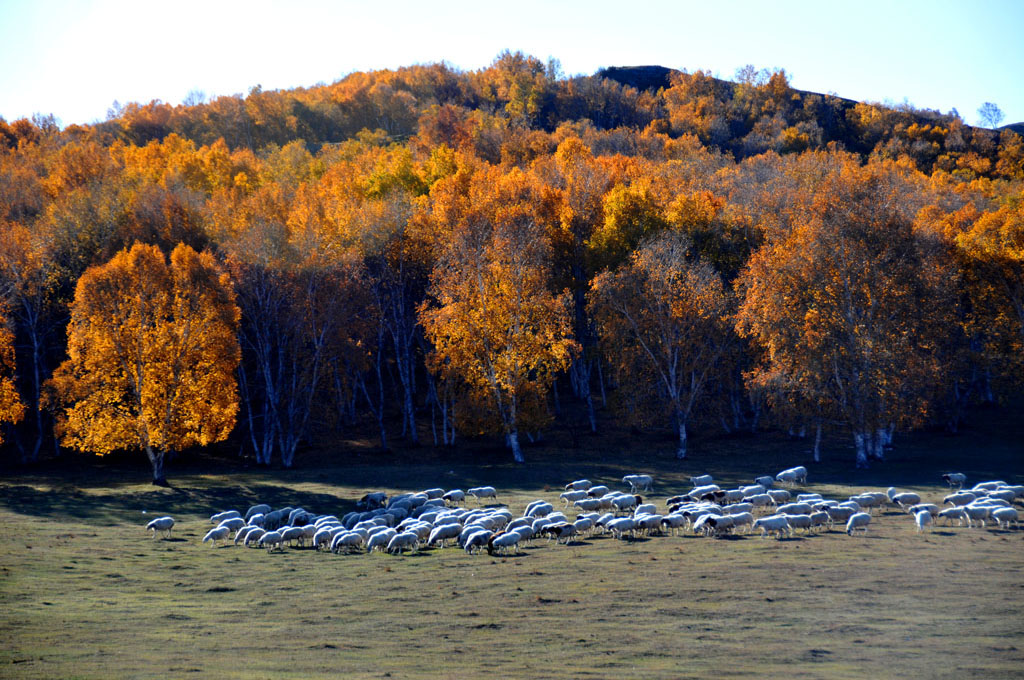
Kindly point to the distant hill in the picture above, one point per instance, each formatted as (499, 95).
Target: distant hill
(1016, 127)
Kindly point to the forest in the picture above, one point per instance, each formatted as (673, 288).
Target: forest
(435, 256)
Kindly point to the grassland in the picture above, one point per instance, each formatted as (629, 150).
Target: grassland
(84, 593)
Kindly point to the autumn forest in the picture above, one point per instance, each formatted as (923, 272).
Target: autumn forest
(435, 256)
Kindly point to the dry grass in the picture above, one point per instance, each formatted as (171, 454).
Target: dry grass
(84, 592)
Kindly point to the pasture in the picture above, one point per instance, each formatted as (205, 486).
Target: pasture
(86, 593)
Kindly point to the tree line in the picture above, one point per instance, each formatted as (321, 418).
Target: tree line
(448, 255)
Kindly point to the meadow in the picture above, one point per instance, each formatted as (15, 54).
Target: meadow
(86, 593)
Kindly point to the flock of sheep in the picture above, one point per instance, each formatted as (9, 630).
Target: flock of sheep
(437, 518)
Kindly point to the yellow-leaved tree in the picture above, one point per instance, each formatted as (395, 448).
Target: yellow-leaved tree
(11, 408)
(152, 355)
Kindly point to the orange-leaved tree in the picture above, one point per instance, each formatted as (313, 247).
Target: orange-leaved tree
(152, 355)
(11, 408)
(497, 331)
(661, 319)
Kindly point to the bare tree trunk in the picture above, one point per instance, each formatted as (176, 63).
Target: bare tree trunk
(861, 447)
(156, 459)
(817, 442)
(681, 451)
(513, 443)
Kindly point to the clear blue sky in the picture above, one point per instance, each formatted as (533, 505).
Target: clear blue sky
(74, 58)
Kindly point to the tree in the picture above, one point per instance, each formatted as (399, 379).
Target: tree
(496, 328)
(152, 354)
(11, 408)
(661, 319)
(850, 305)
(990, 115)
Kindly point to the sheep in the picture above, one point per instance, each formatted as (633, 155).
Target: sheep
(346, 541)
(698, 492)
(820, 518)
(380, 540)
(256, 520)
(753, 489)
(627, 502)
(372, 501)
(798, 521)
(718, 524)
(399, 542)
(597, 491)
(227, 514)
(765, 480)
(1005, 516)
(904, 500)
(243, 532)
(232, 523)
(858, 520)
(673, 523)
(252, 537)
(298, 517)
(503, 543)
(956, 512)
(639, 482)
(701, 480)
(1002, 494)
(161, 524)
(323, 537)
(743, 519)
(579, 485)
(433, 493)
(931, 508)
(290, 533)
(645, 509)
(777, 524)
(794, 509)
(572, 496)
(779, 496)
(477, 541)
(758, 500)
(976, 512)
(539, 509)
(988, 486)
(733, 495)
(959, 498)
(922, 519)
(840, 513)
(260, 509)
(443, 533)
(217, 534)
(481, 492)
(621, 525)
(272, 540)
(808, 497)
(956, 480)
(795, 475)
(738, 508)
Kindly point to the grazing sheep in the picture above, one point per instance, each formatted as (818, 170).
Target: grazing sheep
(503, 543)
(673, 523)
(399, 542)
(539, 509)
(597, 491)
(1002, 494)
(252, 537)
(372, 501)
(621, 525)
(798, 521)
(161, 524)
(922, 519)
(758, 500)
(840, 513)
(481, 492)
(573, 496)
(988, 486)
(221, 516)
(477, 541)
(626, 502)
(931, 508)
(956, 480)
(579, 485)
(738, 508)
(290, 533)
(819, 518)
(904, 500)
(777, 524)
(960, 498)
(743, 519)
(645, 509)
(976, 512)
(260, 509)
(753, 489)
(454, 497)
(794, 509)
(256, 520)
(858, 520)
(957, 513)
(779, 496)
(1005, 516)
(380, 540)
(639, 482)
(700, 491)
(243, 532)
(701, 480)
(808, 497)
(272, 540)
(443, 533)
(217, 534)
(232, 523)
(796, 475)
(765, 480)
(346, 541)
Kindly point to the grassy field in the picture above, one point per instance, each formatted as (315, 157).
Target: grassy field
(84, 593)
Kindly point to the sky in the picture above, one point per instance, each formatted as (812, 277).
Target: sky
(73, 59)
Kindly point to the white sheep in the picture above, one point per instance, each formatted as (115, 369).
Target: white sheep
(976, 512)
(161, 524)
(1005, 516)
(777, 524)
(956, 512)
(503, 543)
(701, 480)
(454, 497)
(579, 485)
(798, 521)
(597, 491)
(253, 536)
(767, 481)
(477, 541)
(743, 519)
(794, 509)
(380, 540)
(243, 532)
(227, 514)
(573, 496)
(260, 509)
(931, 508)
(481, 492)
(904, 500)
(399, 542)
(272, 540)
(232, 523)
(444, 533)
(922, 519)
(621, 525)
(960, 498)
(779, 496)
(639, 482)
(753, 489)
(217, 534)
(858, 520)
